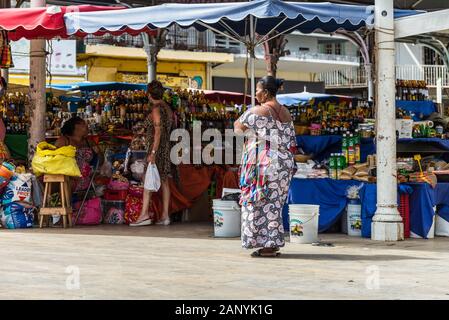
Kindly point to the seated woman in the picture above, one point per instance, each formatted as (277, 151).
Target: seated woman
(74, 133)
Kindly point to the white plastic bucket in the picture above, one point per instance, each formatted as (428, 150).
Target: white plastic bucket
(227, 218)
(441, 227)
(354, 219)
(303, 223)
(227, 191)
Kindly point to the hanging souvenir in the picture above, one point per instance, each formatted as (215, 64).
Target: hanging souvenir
(6, 55)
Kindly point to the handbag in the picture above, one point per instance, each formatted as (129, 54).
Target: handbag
(91, 213)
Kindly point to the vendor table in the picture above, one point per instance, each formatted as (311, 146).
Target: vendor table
(17, 145)
(330, 195)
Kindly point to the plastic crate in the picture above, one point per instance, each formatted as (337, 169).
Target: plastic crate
(404, 210)
(113, 211)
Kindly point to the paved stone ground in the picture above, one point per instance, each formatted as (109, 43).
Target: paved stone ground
(184, 261)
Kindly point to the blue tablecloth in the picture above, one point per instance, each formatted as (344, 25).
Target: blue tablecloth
(423, 108)
(322, 146)
(331, 196)
(368, 197)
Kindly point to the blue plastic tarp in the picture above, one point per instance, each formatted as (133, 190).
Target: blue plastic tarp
(99, 86)
(302, 98)
(270, 14)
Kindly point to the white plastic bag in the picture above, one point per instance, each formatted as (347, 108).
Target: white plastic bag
(152, 178)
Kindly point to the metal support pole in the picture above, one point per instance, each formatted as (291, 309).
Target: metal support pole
(37, 90)
(387, 222)
(369, 79)
(209, 76)
(151, 59)
(251, 60)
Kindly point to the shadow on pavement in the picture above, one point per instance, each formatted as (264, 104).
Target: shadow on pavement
(347, 257)
(204, 231)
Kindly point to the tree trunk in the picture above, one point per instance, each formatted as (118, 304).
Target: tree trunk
(152, 46)
(274, 49)
(37, 90)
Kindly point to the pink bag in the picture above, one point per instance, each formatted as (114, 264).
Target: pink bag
(91, 213)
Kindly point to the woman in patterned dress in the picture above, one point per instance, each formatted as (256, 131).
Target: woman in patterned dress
(159, 125)
(266, 169)
(74, 133)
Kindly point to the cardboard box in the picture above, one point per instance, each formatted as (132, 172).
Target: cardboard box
(200, 211)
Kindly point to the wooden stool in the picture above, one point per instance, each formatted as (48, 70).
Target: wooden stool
(66, 209)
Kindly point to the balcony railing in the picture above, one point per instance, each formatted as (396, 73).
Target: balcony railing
(307, 56)
(326, 57)
(356, 76)
(348, 77)
(177, 39)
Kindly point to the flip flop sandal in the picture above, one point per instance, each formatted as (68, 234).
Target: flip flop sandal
(142, 223)
(259, 254)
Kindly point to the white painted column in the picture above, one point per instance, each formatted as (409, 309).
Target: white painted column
(387, 222)
(209, 77)
(38, 102)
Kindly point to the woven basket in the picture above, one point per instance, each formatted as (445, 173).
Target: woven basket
(302, 158)
(315, 132)
(301, 130)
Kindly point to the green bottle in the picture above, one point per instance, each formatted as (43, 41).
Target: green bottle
(357, 146)
(351, 150)
(344, 163)
(333, 166)
(340, 167)
(344, 147)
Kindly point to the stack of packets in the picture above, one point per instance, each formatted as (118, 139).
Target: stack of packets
(427, 177)
(358, 172)
(308, 171)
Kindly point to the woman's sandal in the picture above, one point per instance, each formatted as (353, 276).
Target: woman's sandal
(260, 254)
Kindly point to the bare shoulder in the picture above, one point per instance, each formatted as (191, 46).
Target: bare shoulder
(260, 111)
(286, 115)
(156, 110)
(61, 142)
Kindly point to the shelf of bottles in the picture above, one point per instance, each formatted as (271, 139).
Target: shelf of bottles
(13, 108)
(412, 90)
(123, 108)
(192, 107)
(332, 118)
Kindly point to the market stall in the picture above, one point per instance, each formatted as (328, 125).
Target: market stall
(116, 114)
(332, 164)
